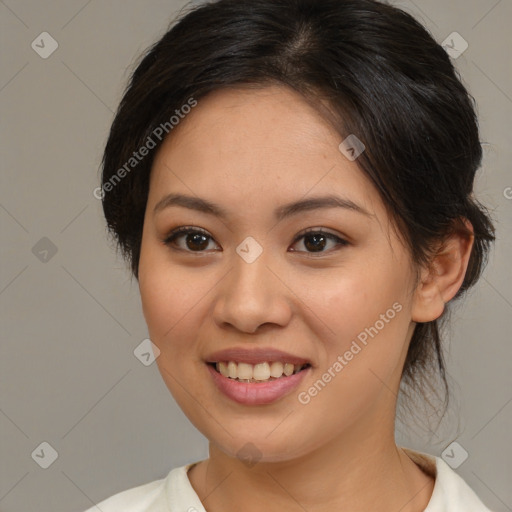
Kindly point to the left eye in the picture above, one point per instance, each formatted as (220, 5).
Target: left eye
(197, 240)
(316, 239)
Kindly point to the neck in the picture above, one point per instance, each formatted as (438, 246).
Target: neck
(355, 471)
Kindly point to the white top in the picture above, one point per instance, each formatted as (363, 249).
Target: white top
(176, 494)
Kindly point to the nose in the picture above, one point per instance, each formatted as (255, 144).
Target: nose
(252, 295)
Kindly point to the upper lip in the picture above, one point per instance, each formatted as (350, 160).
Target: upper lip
(255, 356)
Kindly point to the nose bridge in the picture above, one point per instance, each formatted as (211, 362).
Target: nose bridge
(250, 274)
(250, 292)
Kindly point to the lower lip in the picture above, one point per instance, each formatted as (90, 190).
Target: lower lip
(256, 393)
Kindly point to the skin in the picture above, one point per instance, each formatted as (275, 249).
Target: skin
(251, 151)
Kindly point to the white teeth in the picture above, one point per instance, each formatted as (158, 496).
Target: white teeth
(232, 370)
(276, 369)
(223, 369)
(259, 372)
(288, 369)
(244, 371)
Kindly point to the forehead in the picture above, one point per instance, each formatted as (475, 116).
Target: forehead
(268, 142)
(246, 118)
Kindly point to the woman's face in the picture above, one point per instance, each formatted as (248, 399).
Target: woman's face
(253, 283)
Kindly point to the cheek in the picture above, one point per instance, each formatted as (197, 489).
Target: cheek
(168, 296)
(356, 300)
(171, 300)
(367, 312)
(361, 367)
(167, 299)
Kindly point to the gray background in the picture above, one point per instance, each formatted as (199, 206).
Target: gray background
(71, 320)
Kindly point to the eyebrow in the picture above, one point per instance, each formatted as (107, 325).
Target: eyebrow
(282, 212)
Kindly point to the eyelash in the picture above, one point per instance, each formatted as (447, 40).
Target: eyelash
(185, 230)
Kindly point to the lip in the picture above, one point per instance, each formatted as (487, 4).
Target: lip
(257, 393)
(255, 356)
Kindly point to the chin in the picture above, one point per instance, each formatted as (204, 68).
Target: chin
(260, 448)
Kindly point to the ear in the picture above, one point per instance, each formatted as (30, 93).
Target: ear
(440, 281)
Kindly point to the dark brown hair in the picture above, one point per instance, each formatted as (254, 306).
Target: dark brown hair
(384, 79)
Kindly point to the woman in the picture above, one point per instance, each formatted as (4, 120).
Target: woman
(291, 182)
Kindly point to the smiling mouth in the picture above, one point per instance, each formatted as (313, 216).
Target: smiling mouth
(267, 371)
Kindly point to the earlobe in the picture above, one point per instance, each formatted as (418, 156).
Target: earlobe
(440, 281)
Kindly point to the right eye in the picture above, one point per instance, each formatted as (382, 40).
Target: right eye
(196, 239)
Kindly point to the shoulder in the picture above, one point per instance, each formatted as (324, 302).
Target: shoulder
(451, 493)
(150, 497)
(137, 499)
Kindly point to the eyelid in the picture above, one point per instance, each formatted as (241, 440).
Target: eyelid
(317, 230)
(183, 230)
(341, 241)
